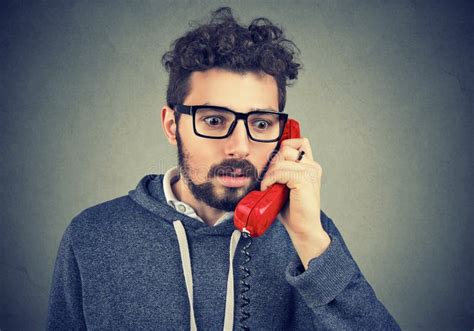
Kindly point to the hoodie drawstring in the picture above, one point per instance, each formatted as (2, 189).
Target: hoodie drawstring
(186, 264)
(229, 301)
(188, 277)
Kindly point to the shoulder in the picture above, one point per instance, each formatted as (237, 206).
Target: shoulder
(328, 225)
(102, 219)
(101, 212)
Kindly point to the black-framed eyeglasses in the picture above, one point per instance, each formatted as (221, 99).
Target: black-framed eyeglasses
(217, 122)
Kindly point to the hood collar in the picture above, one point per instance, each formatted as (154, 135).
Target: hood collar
(149, 195)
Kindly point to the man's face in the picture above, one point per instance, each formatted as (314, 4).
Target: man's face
(202, 161)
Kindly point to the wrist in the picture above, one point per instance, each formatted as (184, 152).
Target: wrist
(310, 245)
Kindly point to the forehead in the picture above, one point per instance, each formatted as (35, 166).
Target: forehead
(238, 91)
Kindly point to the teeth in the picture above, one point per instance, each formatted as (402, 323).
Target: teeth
(235, 173)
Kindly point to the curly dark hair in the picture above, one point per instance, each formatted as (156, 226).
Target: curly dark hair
(224, 43)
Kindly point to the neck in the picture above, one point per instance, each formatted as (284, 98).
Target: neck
(208, 214)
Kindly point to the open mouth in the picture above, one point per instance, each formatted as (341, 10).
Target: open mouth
(233, 173)
(233, 178)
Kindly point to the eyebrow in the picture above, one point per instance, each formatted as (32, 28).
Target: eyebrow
(251, 109)
(263, 109)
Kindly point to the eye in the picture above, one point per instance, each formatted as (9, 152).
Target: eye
(213, 120)
(261, 124)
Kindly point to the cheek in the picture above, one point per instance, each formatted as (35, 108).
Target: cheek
(201, 157)
(263, 153)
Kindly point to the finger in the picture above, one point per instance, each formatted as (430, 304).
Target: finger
(291, 154)
(311, 169)
(290, 173)
(299, 144)
(288, 178)
(288, 153)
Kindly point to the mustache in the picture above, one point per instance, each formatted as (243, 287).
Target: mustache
(240, 167)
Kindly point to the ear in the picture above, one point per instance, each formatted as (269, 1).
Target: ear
(168, 124)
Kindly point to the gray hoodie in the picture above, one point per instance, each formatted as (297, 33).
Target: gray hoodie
(134, 262)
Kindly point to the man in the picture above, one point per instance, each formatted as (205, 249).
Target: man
(163, 256)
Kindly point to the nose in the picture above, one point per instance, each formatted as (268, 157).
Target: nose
(238, 143)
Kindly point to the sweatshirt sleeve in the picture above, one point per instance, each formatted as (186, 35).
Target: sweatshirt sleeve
(65, 298)
(334, 288)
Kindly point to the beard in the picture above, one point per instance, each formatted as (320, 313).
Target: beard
(206, 192)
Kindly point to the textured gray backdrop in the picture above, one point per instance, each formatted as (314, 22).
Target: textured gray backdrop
(386, 99)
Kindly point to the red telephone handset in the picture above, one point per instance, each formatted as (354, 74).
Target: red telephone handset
(257, 210)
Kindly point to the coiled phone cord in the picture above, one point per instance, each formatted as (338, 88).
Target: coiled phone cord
(245, 301)
(245, 254)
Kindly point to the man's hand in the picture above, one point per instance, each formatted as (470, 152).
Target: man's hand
(301, 214)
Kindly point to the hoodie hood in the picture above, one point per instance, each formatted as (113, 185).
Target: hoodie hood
(149, 194)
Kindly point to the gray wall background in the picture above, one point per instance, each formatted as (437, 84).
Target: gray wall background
(385, 98)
